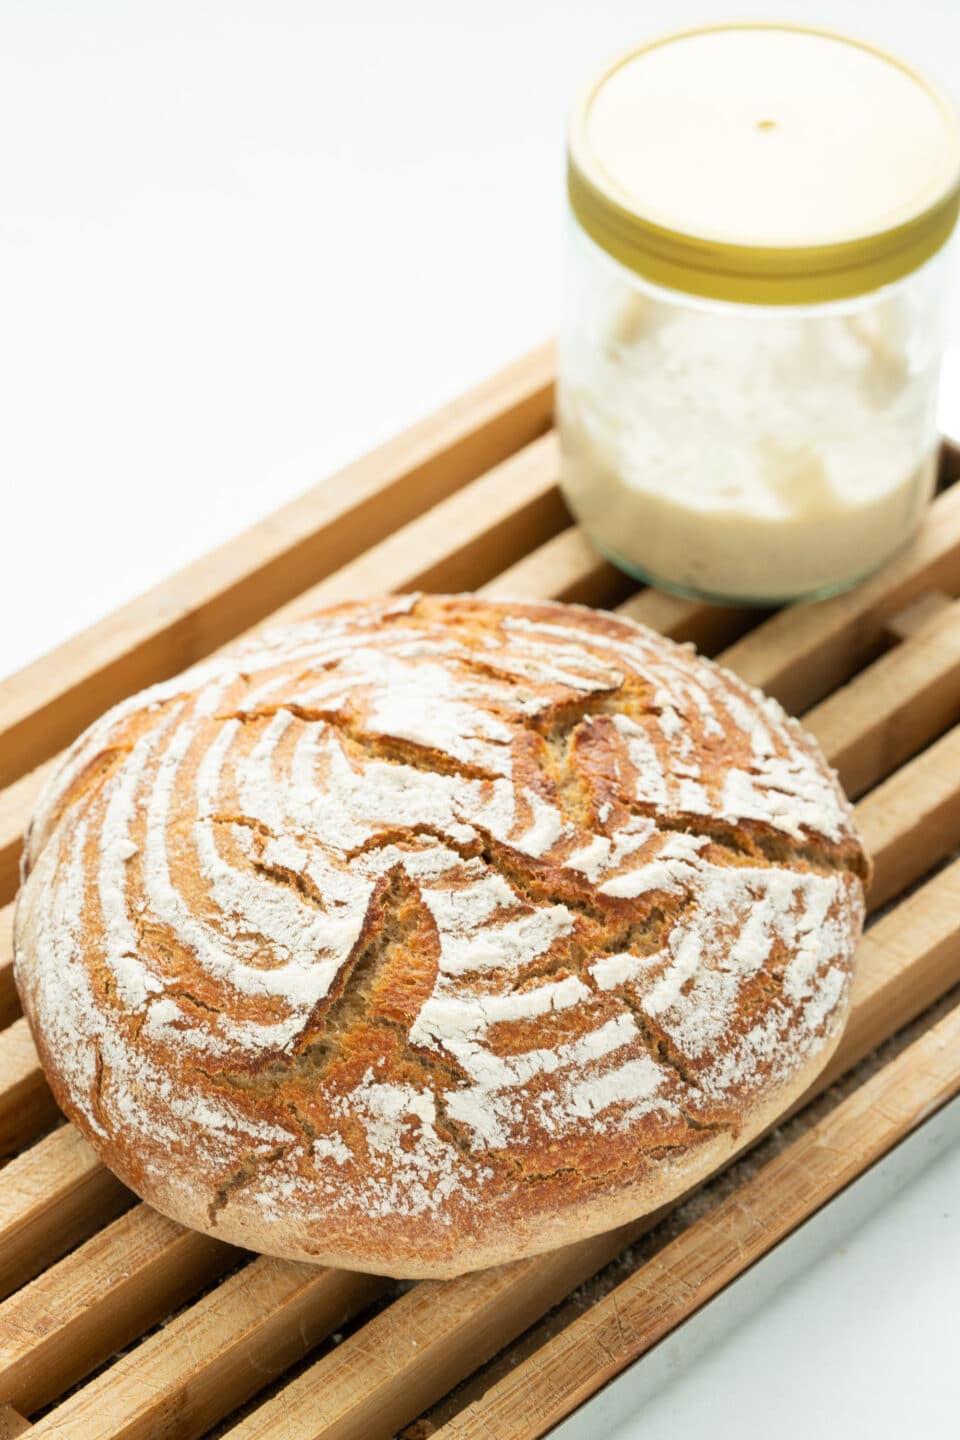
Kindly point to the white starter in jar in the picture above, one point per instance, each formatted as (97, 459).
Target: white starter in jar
(751, 343)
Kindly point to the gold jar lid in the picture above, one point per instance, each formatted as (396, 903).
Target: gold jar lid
(770, 164)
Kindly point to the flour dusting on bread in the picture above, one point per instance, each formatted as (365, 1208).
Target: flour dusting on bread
(482, 921)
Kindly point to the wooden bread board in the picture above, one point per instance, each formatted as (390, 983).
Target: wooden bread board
(116, 1324)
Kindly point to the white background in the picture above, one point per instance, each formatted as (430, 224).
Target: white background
(240, 243)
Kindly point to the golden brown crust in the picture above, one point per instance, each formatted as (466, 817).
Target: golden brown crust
(432, 932)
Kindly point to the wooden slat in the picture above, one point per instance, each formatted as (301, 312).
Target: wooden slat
(386, 1373)
(103, 1295)
(52, 1197)
(361, 1391)
(895, 706)
(564, 568)
(919, 612)
(912, 820)
(905, 962)
(213, 1356)
(802, 653)
(461, 542)
(717, 1248)
(26, 1105)
(16, 807)
(47, 704)
(709, 627)
(12, 1424)
(9, 999)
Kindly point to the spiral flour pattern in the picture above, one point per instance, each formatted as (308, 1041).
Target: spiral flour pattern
(430, 932)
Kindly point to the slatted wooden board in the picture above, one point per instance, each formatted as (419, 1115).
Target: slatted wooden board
(116, 1324)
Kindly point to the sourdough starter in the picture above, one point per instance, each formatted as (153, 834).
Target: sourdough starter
(765, 461)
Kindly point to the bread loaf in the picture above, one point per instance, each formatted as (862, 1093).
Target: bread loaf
(432, 932)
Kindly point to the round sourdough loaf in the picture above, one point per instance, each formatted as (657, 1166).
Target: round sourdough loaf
(432, 932)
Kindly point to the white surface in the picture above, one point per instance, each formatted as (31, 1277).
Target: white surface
(240, 243)
(838, 1332)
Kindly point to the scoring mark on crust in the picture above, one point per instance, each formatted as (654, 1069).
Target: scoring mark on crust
(243, 1174)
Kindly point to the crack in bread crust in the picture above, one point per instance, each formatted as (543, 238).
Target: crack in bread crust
(744, 838)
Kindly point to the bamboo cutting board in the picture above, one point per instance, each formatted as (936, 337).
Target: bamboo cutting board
(117, 1324)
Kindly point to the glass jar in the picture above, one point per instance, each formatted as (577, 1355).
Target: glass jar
(753, 323)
